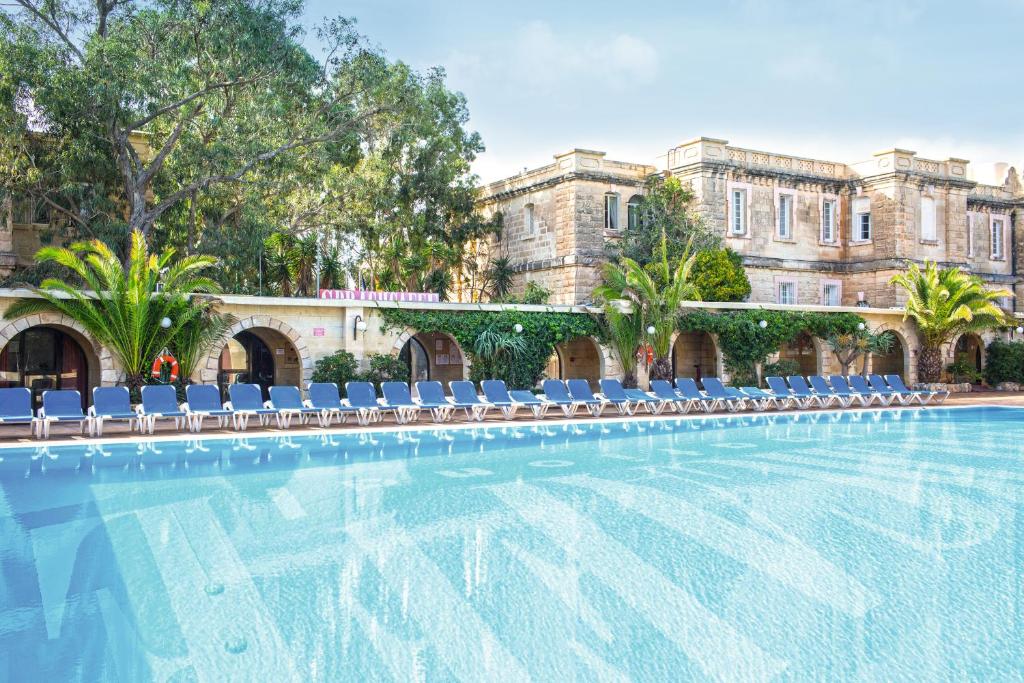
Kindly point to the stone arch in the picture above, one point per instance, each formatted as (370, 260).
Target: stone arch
(582, 358)
(208, 370)
(809, 352)
(103, 371)
(899, 361)
(699, 346)
(429, 342)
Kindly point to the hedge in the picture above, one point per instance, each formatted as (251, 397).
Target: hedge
(1004, 362)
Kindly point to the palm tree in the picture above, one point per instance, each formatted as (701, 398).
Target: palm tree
(122, 305)
(945, 304)
(624, 331)
(207, 332)
(280, 259)
(656, 293)
(499, 276)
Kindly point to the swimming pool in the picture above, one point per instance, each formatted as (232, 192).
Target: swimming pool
(871, 545)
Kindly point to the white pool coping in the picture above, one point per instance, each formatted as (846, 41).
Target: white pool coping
(274, 433)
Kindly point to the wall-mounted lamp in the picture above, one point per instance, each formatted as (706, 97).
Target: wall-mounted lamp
(763, 324)
(650, 329)
(359, 325)
(518, 328)
(1020, 330)
(165, 323)
(860, 326)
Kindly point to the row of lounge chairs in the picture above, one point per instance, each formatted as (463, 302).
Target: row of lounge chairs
(160, 402)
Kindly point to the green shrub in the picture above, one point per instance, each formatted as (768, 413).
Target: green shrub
(719, 276)
(339, 367)
(386, 368)
(783, 367)
(1004, 362)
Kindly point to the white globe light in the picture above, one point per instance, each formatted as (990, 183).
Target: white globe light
(650, 329)
(165, 323)
(518, 328)
(860, 326)
(361, 326)
(763, 324)
(1020, 330)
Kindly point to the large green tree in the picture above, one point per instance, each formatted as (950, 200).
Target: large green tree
(209, 126)
(945, 304)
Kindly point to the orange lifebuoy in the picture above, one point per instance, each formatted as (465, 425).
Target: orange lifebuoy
(158, 366)
(645, 352)
(650, 354)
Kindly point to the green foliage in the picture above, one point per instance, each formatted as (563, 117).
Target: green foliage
(120, 305)
(500, 277)
(665, 210)
(534, 295)
(719, 276)
(541, 333)
(624, 332)
(944, 304)
(339, 367)
(497, 352)
(849, 346)
(784, 367)
(744, 343)
(202, 335)
(655, 293)
(1004, 362)
(385, 368)
(962, 370)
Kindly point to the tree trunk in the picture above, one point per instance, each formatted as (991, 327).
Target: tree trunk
(929, 364)
(629, 379)
(661, 368)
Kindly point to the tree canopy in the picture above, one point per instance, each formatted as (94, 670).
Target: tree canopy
(211, 126)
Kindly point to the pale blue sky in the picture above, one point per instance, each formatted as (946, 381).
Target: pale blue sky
(835, 80)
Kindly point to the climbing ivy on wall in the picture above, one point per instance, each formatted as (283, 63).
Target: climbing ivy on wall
(744, 343)
(541, 333)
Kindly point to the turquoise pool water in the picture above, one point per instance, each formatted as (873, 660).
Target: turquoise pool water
(872, 546)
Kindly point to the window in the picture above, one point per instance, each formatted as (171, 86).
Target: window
(928, 230)
(861, 219)
(28, 211)
(611, 211)
(529, 224)
(787, 292)
(831, 294)
(738, 212)
(970, 233)
(633, 212)
(828, 221)
(997, 238)
(785, 216)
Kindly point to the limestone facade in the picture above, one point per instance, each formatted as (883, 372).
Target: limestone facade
(811, 232)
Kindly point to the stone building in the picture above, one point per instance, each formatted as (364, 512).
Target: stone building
(811, 232)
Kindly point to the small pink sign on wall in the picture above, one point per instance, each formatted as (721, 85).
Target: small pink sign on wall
(319, 331)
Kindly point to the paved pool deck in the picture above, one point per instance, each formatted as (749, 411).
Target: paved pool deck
(16, 435)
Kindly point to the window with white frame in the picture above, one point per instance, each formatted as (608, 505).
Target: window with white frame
(828, 220)
(633, 212)
(611, 211)
(529, 222)
(970, 233)
(738, 212)
(831, 293)
(929, 231)
(997, 238)
(862, 219)
(786, 293)
(785, 218)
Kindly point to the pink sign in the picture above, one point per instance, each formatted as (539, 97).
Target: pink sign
(370, 295)
(318, 331)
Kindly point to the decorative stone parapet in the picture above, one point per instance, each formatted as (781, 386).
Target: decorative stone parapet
(1007, 386)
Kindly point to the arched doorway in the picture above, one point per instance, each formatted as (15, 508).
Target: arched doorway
(891, 363)
(971, 349)
(694, 355)
(260, 356)
(576, 359)
(802, 352)
(415, 356)
(42, 358)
